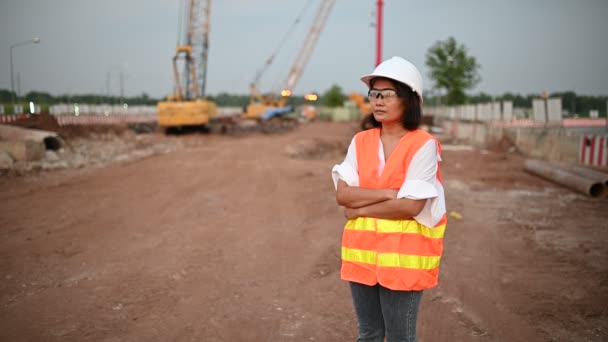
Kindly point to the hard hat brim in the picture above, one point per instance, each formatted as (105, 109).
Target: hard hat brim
(367, 78)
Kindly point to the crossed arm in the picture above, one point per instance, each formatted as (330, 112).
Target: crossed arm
(379, 203)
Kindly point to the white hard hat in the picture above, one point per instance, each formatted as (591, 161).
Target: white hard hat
(400, 70)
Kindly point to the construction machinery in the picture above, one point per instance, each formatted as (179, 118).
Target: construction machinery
(265, 107)
(365, 108)
(187, 106)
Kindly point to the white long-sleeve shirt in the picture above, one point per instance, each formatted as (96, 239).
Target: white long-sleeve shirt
(420, 180)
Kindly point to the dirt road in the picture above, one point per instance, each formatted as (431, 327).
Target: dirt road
(237, 238)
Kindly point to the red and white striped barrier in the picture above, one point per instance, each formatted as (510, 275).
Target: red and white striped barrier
(64, 120)
(12, 118)
(594, 150)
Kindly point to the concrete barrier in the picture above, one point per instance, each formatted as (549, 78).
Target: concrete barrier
(345, 114)
(556, 141)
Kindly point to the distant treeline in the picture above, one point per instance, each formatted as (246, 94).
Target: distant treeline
(571, 102)
(231, 100)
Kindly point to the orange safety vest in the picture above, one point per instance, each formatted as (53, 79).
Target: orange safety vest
(398, 254)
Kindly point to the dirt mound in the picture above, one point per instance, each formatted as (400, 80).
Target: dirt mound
(48, 122)
(504, 144)
(81, 131)
(44, 121)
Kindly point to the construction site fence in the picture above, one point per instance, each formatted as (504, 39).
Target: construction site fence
(579, 140)
(101, 109)
(543, 110)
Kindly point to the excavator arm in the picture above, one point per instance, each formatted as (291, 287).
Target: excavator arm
(262, 104)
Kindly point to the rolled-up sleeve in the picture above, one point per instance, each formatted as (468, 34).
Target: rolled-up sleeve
(421, 183)
(421, 175)
(417, 189)
(348, 169)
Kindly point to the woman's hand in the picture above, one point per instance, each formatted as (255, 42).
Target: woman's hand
(351, 213)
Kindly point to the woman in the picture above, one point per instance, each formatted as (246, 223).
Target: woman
(390, 187)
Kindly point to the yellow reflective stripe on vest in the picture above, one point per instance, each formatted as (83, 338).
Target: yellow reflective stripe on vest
(361, 223)
(391, 259)
(408, 261)
(395, 226)
(409, 226)
(359, 255)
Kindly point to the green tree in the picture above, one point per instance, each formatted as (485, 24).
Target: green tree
(518, 100)
(480, 98)
(452, 69)
(334, 97)
(5, 95)
(39, 97)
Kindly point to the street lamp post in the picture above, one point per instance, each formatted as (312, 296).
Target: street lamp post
(35, 40)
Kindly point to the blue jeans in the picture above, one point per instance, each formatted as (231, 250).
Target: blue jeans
(383, 312)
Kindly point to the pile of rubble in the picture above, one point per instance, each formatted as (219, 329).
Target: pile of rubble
(24, 150)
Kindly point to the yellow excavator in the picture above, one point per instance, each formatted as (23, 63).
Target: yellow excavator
(188, 107)
(265, 107)
(365, 108)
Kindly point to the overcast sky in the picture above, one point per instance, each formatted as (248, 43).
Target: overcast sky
(522, 46)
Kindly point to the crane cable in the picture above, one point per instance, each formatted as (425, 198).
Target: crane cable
(263, 69)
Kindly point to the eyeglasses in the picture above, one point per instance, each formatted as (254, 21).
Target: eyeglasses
(386, 94)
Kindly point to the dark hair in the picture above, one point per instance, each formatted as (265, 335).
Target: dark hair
(412, 116)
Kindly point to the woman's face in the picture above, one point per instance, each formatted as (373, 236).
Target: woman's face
(387, 106)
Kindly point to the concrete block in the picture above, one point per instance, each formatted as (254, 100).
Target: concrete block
(342, 114)
(23, 150)
(6, 161)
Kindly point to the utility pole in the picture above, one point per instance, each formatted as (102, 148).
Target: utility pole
(108, 86)
(18, 94)
(379, 33)
(546, 107)
(122, 81)
(35, 40)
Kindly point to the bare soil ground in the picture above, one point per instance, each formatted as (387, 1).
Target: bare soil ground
(237, 238)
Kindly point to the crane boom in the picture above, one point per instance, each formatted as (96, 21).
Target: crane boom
(204, 53)
(307, 48)
(265, 107)
(194, 51)
(198, 38)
